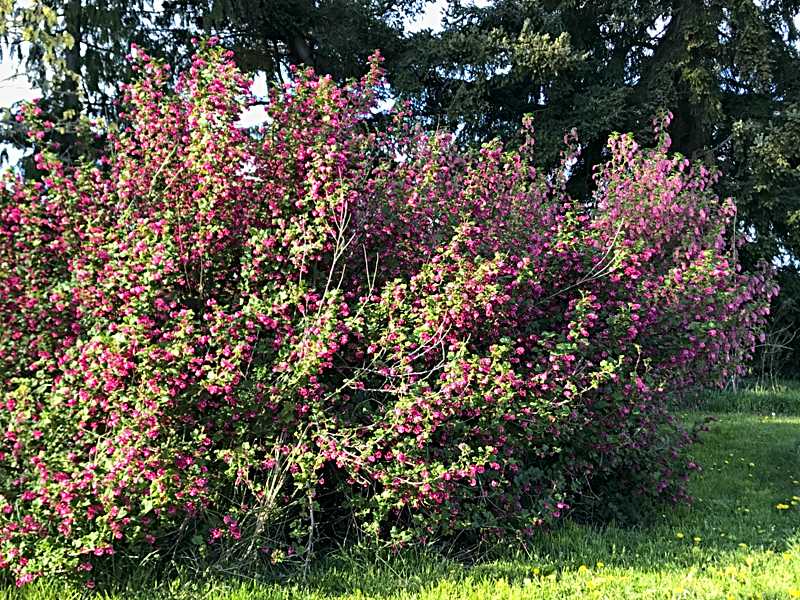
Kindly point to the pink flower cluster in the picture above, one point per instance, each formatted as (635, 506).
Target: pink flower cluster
(234, 339)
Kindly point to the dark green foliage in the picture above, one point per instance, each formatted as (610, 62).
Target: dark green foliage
(75, 51)
(729, 70)
(335, 37)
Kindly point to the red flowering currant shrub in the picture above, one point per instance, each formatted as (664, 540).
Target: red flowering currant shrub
(246, 342)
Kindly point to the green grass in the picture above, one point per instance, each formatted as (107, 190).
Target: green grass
(733, 542)
(783, 400)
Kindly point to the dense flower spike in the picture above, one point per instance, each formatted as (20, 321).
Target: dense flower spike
(247, 341)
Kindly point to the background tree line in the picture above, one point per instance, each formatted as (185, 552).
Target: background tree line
(729, 70)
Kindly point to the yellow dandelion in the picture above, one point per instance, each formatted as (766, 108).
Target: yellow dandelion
(743, 546)
(782, 506)
(697, 539)
(794, 593)
(583, 569)
(679, 535)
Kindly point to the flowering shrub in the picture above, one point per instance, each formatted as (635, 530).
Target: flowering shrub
(245, 342)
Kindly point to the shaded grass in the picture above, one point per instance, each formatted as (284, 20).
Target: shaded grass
(732, 542)
(782, 400)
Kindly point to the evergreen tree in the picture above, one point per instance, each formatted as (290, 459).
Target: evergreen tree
(336, 37)
(729, 71)
(75, 51)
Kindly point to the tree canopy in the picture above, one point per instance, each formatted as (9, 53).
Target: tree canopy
(729, 71)
(62, 42)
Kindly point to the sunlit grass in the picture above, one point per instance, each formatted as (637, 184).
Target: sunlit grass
(739, 539)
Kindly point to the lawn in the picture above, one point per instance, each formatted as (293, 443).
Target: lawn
(739, 539)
